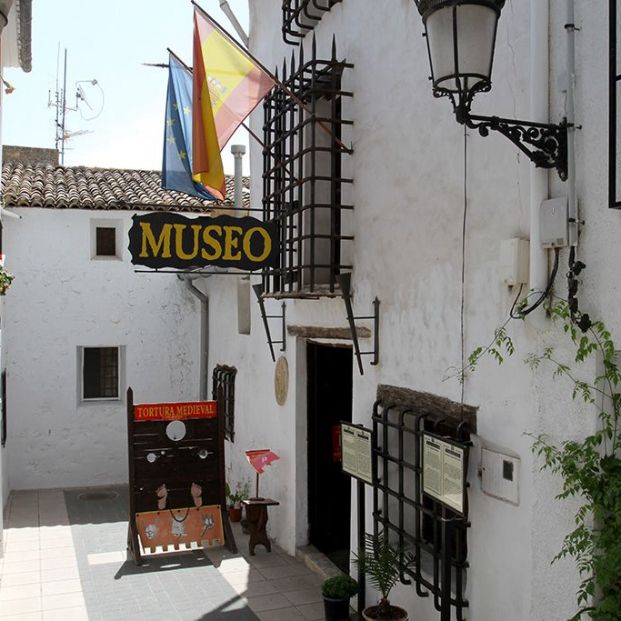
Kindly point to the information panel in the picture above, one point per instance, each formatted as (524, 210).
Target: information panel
(356, 443)
(444, 471)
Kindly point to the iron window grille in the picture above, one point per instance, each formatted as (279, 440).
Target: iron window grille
(100, 373)
(301, 16)
(304, 188)
(411, 520)
(223, 391)
(105, 241)
(613, 123)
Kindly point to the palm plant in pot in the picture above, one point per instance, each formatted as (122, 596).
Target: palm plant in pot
(337, 591)
(382, 564)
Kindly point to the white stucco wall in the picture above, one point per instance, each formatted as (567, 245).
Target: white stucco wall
(61, 300)
(409, 195)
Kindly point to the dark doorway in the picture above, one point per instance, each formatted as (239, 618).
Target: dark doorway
(329, 496)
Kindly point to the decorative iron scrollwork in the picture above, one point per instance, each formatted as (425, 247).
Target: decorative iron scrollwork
(548, 141)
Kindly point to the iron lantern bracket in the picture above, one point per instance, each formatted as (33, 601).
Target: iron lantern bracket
(258, 289)
(345, 284)
(545, 144)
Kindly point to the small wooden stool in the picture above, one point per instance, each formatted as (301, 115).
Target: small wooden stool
(256, 515)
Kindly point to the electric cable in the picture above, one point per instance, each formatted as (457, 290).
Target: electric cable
(526, 311)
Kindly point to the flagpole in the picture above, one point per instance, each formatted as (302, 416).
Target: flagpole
(243, 123)
(278, 83)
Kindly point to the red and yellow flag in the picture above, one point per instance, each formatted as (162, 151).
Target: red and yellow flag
(206, 161)
(236, 83)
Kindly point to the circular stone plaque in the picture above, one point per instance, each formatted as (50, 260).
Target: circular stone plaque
(281, 380)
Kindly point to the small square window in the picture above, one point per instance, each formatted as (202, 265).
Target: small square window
(105, 244)
(100, 373)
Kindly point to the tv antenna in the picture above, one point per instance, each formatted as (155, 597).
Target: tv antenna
(59, 101)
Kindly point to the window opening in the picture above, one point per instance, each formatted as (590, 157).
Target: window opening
(304, 189)
(105, 241)
(223, 391)
(301, 16)
(100, 373)
(412, 520)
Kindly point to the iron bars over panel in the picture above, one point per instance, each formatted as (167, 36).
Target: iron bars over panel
(304, 189)
(301, 16)
(414, 521)
(223, 391)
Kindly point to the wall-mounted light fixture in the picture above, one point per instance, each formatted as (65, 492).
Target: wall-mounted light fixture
(461, 36)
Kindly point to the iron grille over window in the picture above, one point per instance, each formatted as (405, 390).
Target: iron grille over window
(223, 391)
(100, 373)
(304, 188)
(614, 165)
(300, 16)
(412, 520)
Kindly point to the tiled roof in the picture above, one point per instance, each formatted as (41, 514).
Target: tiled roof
(39, 184)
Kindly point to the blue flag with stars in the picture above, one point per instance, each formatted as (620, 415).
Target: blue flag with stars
(177, 162)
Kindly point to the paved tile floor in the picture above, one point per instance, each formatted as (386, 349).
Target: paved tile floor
(64, 559)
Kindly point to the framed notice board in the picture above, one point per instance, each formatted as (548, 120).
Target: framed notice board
(356, 447)
(444, 475)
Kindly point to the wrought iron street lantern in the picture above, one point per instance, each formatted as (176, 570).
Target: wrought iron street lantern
(461, 37)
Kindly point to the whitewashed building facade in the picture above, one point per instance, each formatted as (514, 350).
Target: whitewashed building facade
(425, 209)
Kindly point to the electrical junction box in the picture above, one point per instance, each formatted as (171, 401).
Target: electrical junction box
(553, 223)
(514, 261)
(500, 475)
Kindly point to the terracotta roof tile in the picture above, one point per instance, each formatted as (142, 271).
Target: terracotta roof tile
(39, 184)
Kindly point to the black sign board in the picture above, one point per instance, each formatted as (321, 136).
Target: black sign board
(160, 240)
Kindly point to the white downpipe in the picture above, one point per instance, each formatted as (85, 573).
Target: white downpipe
(226, 9)
(539, 112)
(570, 112)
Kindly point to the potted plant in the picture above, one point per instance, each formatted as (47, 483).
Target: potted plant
(6, 278)
(382, 564)
(242, 490)
(337, 592)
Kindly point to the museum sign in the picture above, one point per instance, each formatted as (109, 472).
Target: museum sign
(159, 240)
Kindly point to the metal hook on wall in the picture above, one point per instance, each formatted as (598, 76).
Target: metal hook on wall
(258, 290)
(345, 284)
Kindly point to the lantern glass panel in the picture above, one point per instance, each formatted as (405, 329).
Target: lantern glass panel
(471, 28)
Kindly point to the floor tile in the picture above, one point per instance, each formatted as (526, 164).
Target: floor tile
(272, 601)
(305, 596)
(63, 600)
(78, 613)
(28, 616)
(284, 614)
(66, 573)
(312, 612)
(20, 606)
(61, 586)
(18, 567)
(285, 571)
(58, 563)
(22, 591)
(29, 577)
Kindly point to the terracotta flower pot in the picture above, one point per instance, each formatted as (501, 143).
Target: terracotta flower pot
(398, 614)
(235, 514)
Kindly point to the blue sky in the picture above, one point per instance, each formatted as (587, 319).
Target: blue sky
(106, 41)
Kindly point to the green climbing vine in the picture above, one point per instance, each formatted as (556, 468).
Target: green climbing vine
(590, 468)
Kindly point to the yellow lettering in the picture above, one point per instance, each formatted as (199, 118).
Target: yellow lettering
(179, 241)
(209, 240)
(231, 242)
(161, 245)
(267, 244)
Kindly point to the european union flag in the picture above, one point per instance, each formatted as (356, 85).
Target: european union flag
(177, 162)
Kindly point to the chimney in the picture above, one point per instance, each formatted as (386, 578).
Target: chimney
(30, 155)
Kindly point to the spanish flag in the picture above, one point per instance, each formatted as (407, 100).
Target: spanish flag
(207, 167)
(236, 84)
